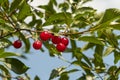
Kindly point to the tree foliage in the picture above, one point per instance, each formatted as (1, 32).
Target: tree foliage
(99, 33)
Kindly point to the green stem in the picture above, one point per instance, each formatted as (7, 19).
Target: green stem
(63, 59)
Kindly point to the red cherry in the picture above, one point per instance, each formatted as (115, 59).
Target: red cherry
(45, 35)
(65, 41)
(56, 39)
(17, 44)
(60, 47)
(37, 45)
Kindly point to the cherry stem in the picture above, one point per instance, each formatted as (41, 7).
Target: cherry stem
(63, 59)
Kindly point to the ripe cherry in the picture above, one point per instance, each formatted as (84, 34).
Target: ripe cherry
(56, 39)
(17, 44)
(45, 35)
(65, 41)
(60, 47)
(37, 45)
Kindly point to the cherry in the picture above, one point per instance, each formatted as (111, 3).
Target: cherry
(45, 35)
(56, 39)
(37, 45)
(65, 41)
(17, 44)
(60, 47)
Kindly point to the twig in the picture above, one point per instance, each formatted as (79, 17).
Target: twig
(60, 57)
(7, 34)
(6, 16)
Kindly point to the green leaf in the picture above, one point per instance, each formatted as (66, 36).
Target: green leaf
(49, 9)
(91, 39)
(112, 69)
(118, 37)
(64, 6)
(74, 46)
(87, 60)
(72, 71)
(109, 16)
(115, 26)
(116, 56)
(84, 66)
(64, 76)
(1, 1)
(85, 1)
(59, 18)
(2, 21)
(5, 43)
(88, 46)
(6, 27)
(36, 78)
(2, 50)
(5, 5)
(33, 22)
(54, 2)
(98, 56)
(3, 68)
(24, 11)
(111, 37)
(39, 13)
(16, 65)
(112, 77)
(38, 24)
(108, 51)
(8, 54)
(5, 71)
(77, 54)
(15, 4)
(26, 42)
(80, 17)
(89, 9)
(56, 72)
(117, 72)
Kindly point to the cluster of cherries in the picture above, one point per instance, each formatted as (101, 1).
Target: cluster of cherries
(60, 42)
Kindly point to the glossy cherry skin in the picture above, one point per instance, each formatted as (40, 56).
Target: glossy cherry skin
(45, 35)
(37, 45)
(60, 47)
(56, 39)
(17, 44)
(65, 41)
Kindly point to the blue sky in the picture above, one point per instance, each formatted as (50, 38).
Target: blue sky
(41, 64)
